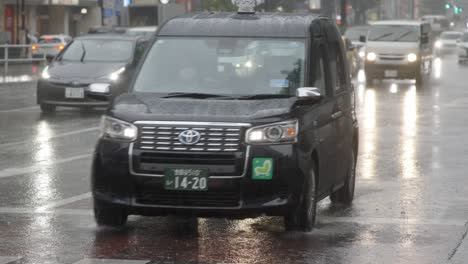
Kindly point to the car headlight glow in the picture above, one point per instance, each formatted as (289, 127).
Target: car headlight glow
(371, 56)
(45, 73)
(438, 44)
(118, 129)
(362, 54)
(278, 133)
(412, 57)
(115, 75)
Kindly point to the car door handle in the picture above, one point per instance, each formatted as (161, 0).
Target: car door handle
(337, 115)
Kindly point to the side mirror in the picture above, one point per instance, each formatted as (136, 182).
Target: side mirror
(309, 94)
(363, 39)
(49, 58)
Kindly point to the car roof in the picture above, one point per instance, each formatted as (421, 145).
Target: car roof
(275, 25)
(143, 29)
(401, 22)
(109, 37)
(54, 36)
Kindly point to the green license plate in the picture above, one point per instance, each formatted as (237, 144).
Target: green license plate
(186, 179)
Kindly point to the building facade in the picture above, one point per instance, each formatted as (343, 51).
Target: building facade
(71, 17)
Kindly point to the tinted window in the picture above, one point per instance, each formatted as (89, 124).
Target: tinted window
(319, 78)
(397, 33)
(99, 50)
(48, 40)
(224, 66)
(337, 70)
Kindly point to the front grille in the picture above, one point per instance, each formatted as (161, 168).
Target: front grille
(189, 199)
(391, 57)
(213, 138)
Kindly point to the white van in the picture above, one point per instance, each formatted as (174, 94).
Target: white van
(398, 50)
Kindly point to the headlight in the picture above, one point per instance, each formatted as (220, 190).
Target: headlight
(115, 75)
(45, 73)
(438, 44)
(118, 129)
(371, 56)
(283, 132)
(412, 57)
(362, 54)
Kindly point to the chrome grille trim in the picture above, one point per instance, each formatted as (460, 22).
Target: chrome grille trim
(215, 136)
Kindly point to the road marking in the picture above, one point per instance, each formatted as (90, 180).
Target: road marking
(111, 261)
(9, 144)
(7, 260)
(19, 109)
(393, 221)
(65, 201)
(10, 172)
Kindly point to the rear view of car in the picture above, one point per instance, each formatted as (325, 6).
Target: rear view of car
(462, 48)
(447, 43)
(49, 45)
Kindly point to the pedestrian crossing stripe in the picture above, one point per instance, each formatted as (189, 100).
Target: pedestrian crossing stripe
(7, 260)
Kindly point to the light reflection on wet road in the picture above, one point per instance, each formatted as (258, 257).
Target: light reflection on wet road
(411, 204)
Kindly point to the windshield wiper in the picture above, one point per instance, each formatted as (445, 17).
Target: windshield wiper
(381, 37)
(84, 52)
(403, 35)
(194, 95)
(265, 96)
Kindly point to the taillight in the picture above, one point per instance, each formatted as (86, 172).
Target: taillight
(60, 47)
(34, 47)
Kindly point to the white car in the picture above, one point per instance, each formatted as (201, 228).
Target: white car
(49, 45)
(447, 42)
(462, 48)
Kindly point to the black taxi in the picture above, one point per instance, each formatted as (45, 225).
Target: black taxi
(231, 115)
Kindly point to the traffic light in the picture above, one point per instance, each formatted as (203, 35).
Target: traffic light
(456, 10)
(448, 6)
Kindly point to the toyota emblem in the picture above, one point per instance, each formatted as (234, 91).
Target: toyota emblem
(189, 137)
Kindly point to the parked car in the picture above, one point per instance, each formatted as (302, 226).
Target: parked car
(49, 45)
(398, 50)
(462, 48)
(89, 72)
(243, 122)
(356, 34)
(447, 42)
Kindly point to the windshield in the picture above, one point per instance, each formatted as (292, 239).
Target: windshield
(104, 50)
(397, 33)
(450, 35)
(246, 66)
(355, 33)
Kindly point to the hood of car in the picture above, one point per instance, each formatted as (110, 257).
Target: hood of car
(396, 48)
(77, 71)
(141, 107)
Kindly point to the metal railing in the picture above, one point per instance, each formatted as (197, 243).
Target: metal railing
(23, 53)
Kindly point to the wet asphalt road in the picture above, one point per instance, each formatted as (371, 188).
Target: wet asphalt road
(411, 201)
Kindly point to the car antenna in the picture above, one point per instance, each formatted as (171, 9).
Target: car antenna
(245, 6)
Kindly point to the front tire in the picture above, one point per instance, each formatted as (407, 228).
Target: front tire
(108, 215)
(345, 195)
(302, 217)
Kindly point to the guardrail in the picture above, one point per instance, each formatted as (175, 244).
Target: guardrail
(23, 53)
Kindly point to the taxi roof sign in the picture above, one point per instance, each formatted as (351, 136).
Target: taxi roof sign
(245, 6)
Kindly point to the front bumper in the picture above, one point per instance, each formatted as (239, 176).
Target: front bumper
(54, 94)
(403, 71)
(231, 196)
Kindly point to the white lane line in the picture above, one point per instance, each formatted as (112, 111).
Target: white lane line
(19, 109)
(7, 260)
(10, 172)
(111, 261)
(92, 129)
(65, 201)
(393, 221)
